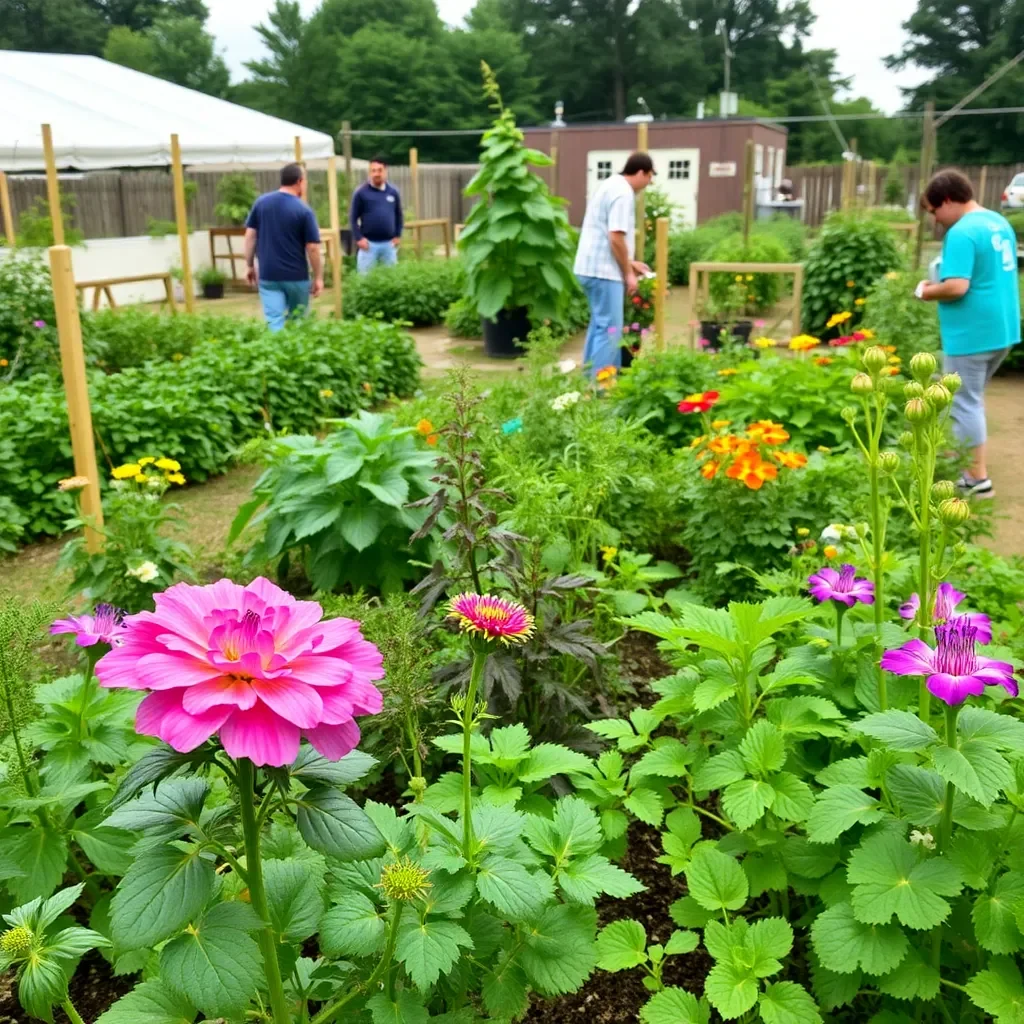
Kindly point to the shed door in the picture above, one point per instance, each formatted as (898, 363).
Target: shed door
(678, 171)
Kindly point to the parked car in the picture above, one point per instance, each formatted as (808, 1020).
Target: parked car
(1013, 194)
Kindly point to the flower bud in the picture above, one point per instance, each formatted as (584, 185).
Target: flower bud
(916, 411)
(849, 414)
(938, 396)
(417, 785)
(954, 512)
(960, 549)
(862, 384)
(922, 366)
(404, 881)
(874, 359)
(16, 942)
(912, 390)
(943, 489)
(888, 462)
(906, 440)
(862, 530)
(952, 382)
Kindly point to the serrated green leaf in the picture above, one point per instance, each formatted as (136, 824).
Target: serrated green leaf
(560, 950)
(746, 801)
(683, 831)
(838, 809)
(310, 767)
(151, 1002)
(850, 771)
(765, 872)
(669, 760)
(768, 940)
(504, 992)
(163, 889)
(807, 859)
(716, 881)
(793, 797)
(913, 979)
(495, 829)
(730, 989)
(548, 759)
(712, 691)
(406, 1008)
(898, 730)
(834, 990)
(509, 745)
(621, 946)
(674, 1006)
(516, 892)
(353, 927)
(995, 924)
(40, 855)
(335, 825)
(843, 943)
(295, 897)
(41, 984)
(763, 749)
(786, 1002)
(645, 804)
(1000, 730)
(999, 991)
(920, 793)
(174, 804)
(681, 942)
(585, 879)
(688, 913)
(720, 771)
(429, 948)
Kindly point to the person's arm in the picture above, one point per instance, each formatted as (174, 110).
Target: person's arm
(399, 220)
(948, 290)
(250, 256)
(957, 270)
(355, 213)
(620, 250)
(316, 263)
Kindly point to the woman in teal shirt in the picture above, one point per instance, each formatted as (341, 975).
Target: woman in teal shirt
(979, 307)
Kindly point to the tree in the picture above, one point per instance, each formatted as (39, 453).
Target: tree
(51, 26)
(143, 14)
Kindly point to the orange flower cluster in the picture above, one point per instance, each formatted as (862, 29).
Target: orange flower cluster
(748, 457)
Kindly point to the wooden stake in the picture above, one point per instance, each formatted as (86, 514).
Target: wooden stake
(798, 299)
(52, 187)
(346, 149)
(6, 211)
(332, 198)
(925, 173)
(72, 362)
(181, 216)
(641, 201)
(872, 183)
(983, 184)
(298, 149)
(748, 192)
(661, 286)
(555, 169)
(414, 170)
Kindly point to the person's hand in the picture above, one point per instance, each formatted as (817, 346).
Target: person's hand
(250, 276)
(920, 289)
(318, 287)
(363, 243)
(640, 267)
(396, 242)
(630, 280)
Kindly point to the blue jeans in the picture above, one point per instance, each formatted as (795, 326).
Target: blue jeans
(975, 371)
(383, 253)
(283, 300)
(604, 335)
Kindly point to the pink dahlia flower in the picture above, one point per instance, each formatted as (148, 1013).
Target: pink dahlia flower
(105, 626)
(953, 669)
(843, 586)
(493, 618)
(251, 664)
(947, 597)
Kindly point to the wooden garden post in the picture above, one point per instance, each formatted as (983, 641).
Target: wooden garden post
(925, 173)
(641, 202)
(748, 192)
(181, 217)
(302, 164)
(332, 197)
(346, 149)
(6, 211)
(53, 187)
(414, 171)
(661, 269)
(555, 138)
(983, 184)
(72, 362)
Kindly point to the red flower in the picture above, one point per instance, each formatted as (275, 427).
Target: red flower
(700, 402)
(636, 300)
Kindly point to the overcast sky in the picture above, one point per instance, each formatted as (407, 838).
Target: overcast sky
(862, 37)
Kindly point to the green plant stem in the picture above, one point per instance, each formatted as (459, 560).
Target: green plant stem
(877, 550)
(30, 784)
(840, 612)
(257, 893)
(946, 822)
(924, 621)
(229, 858)
(417, 761)
(476, 674)
(73, 1015)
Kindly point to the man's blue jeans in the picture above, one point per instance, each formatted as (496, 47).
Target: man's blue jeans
(283, 300)
(604, 335)
(383, 253)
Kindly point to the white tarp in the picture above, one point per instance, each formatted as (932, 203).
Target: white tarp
(104, 115)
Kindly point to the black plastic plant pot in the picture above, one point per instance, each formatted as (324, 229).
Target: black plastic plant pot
(504, 335)
(712, 330)
(213, 291)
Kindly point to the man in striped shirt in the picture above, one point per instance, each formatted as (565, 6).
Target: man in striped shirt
(605, 266)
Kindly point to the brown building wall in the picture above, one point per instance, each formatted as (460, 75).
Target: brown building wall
(719, 141)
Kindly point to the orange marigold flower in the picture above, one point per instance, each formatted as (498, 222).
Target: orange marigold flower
(831, 551)
(892, 370)
(752, 471)
(790, 460)
(709, 469)
(700, 402)
(724, 445)
(425, 427)
(767, 432)
(889, 348)
(823, 361)
(698, 441)
(803, 343)
(432, 439)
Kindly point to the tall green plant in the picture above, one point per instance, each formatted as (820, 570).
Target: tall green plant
(517, 243)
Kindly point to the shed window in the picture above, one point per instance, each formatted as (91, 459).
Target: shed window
(678, 170)
(604, 169)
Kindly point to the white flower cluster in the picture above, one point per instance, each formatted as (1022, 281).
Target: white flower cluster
(564, 401)
(925, 839)
(146, 572)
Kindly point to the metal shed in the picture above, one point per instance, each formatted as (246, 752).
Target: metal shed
(699, 164)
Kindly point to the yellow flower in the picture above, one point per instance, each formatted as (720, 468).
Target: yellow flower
(739, 278)
(147, 460)
(141, 478)
(803, 532)
(176, 478)
(831, 551)
(326, 393)
(720, 424)
(859, 302)
(698, 441)
(425, 427)
(608, 552)
(892, 276)
(887, 348)
(868, 335)
(765, 343)
(128, 471)
(895, 360)
(367, 386)
(838, 318)
(177, 357)
(851, 284)
(803, 343)
(750, 277)
(824, 450)
(3, 362)
(727, 372)
(168, 465)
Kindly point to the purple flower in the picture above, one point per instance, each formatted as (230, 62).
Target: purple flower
(843, 586)
(947, 597)
(636, 327)
(704, 343)
(105, 627)
(39, 323)
(953, 669)
(612, 330)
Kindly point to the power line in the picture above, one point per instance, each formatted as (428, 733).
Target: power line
(981, 88)
(828, 114)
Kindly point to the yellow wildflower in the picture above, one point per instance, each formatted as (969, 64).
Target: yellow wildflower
(831, 551)
(765, 343)
(608, 552)
(698, 441)
(803, 532)
(727, 372)
(128, 471)
(838, 318)
(147, 460)
(739, 278)
(168, 465)
(176, 478)
(892, 276)
(750, 277)
(895, 360)
(720, 424)
(326, 393)
(851, 284)
(141, 478)
(824, 450)
(803, 343)
(868, 335)
(859, 302)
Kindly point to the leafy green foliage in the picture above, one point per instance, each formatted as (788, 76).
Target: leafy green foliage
(418, 292)
(25, 299)
(236, 192)
(760, 291)
(898, 318)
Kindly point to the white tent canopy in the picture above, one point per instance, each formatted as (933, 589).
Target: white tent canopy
(104, 115)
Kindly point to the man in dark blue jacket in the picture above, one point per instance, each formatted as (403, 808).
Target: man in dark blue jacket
(376, 219)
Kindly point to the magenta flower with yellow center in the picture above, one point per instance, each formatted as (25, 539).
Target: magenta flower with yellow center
(494, 618)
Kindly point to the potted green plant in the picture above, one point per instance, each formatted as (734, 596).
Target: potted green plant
(722, 314)
(517, 244)
(236, 192)
(212, 281)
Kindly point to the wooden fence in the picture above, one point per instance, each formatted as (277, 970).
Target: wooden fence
(821, 188)
(121, 204)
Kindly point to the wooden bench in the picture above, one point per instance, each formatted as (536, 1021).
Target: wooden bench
(231, 255)
(103, 286)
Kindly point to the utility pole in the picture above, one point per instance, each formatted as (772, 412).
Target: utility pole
(926, 165)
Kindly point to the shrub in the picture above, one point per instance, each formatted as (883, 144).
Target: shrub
(236, 194)
(418, 292)
(200, 409)
(791, 233)
(763, 290)
(1017, 223)
(849, 256)
(25, 300)
(898, 318)
(463, 320)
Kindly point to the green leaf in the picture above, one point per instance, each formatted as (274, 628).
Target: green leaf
(621, 946)
(746, 801)
(516, 892)
(504, 991)
(509, 745)
(153, 766)
(353, 927)
(164, 888)
(174, 806)
(334, 825)
(767, 940)
(838, 809)
(429, 948)
(913, 979)
(843, 943)
(980, 776)
(645, 804)
(731, 990)
(560, 950)
(683, 831)
(1000, 730)
(850, 771)
(42, 983)
(151, 1002)
(548, 759)
(920, 793)
(763, 748)
(688, 913)
(720, 771)
(890, 877)
(495, 829)
(999, 991)
(716, 881)
(669, 760)
(786, 1002)
(40, 854)
(807, 859)
(361, 525)
(216, 963)
(585, 879)
(794, 799)
(995, 923)
(681, 942)
(109, 849)
(898, 730)
(835, 990)
(295, 897)
(674, 1006)
(311, 766)
(405, 1009)
(577, 828)
(712, 691)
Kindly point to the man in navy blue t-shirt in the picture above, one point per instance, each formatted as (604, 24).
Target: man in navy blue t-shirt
(282, 234)
(376, 219)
